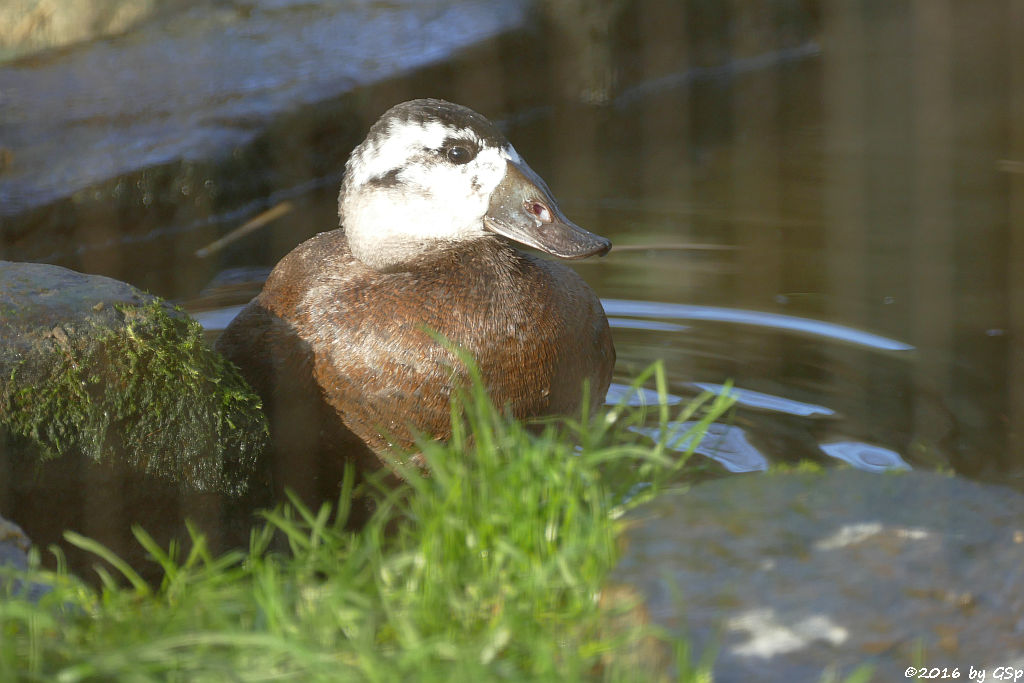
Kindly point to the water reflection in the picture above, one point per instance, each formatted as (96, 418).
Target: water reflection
(865, 456)
(725, 444)
(637, 396)
(762, 401)
(215, 320)
(646, 325)
(816, 328)
(824, 207)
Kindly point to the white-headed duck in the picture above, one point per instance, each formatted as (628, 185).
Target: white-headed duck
(339, 341)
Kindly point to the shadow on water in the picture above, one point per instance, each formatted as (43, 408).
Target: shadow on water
(823, 206)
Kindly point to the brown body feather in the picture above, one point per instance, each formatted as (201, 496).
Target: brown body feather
(343, 356)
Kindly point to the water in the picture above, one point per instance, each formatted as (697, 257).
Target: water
(836, 227)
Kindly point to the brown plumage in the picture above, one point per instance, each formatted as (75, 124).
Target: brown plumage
(342, 352)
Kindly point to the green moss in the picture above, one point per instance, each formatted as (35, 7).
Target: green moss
(150, 393)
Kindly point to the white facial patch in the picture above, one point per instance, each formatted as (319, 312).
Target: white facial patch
(405, 139)
(427, 198)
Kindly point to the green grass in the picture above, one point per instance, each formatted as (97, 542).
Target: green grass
(491, 568)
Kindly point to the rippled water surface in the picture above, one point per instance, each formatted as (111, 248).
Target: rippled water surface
(848, 274)
(835, 228)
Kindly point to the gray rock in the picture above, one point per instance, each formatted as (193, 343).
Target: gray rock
(27, 26)
(201, 85)
(789, 575)
(93, 368)
(114, 413)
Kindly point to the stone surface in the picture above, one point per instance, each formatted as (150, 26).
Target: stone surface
(27, 26)
(789, 575)
(92, 367)
(203, 82)
(114, 412)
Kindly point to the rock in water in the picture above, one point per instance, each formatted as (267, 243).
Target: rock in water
(805, 576)
(93, 367)
(109, 397)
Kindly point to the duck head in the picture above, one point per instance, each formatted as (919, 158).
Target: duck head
(432, 175)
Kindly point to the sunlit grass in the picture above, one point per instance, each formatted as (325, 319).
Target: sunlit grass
(491, 568)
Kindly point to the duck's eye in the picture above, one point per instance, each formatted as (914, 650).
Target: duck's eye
(460, 154)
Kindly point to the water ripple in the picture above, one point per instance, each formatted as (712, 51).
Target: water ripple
(725, 444)
(808, 326)
(865, 456)
(770, 402)
(217, 318)
(636, 396)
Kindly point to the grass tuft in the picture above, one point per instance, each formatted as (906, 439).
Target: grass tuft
(490, 568)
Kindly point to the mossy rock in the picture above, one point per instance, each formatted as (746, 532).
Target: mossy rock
(93, 368)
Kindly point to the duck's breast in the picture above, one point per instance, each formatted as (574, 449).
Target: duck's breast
(534, 327)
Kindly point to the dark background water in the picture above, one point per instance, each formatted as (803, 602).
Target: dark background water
(853, 163)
